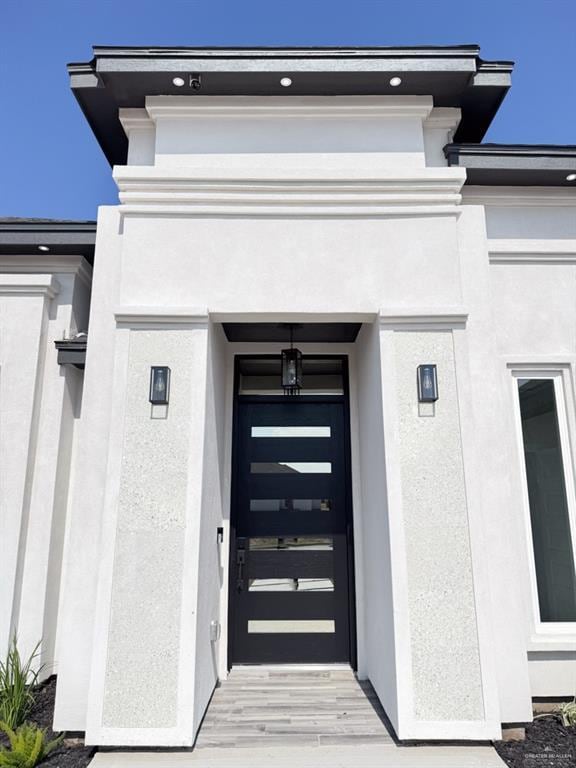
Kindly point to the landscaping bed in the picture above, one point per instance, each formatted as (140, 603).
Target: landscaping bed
(71, 753)
(548, 744)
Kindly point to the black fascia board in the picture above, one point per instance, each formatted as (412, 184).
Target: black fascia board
(122, 77)
(72, 352)
(19, 237)
(514, 164)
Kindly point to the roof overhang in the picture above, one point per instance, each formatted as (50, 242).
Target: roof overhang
(514, 164)
(23, 237)
(72, 351)
(122, 78)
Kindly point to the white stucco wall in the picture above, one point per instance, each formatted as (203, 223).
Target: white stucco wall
(40, 301)
(258, 216)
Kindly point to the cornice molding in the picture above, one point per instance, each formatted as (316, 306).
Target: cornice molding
(517, 197)
(422, 318)
(157, 316)
(444, 117)
(274, 107)
(521, 251)
(204, 192)
(29, 285)
(35, 264)
(134, 119)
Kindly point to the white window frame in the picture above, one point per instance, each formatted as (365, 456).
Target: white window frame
(561, 375)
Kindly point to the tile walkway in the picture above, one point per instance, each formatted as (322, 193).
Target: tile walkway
(298, 718)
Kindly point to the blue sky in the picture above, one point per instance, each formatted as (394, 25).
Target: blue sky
(52, 166)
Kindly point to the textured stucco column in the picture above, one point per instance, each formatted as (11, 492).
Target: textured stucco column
(142, 681)
(445, 683)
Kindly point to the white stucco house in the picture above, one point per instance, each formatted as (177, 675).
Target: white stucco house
(398, 495)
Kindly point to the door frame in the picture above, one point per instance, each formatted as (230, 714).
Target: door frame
(347, 447)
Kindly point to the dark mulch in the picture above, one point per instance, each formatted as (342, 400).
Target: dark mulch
(548, 745)
(71, 753)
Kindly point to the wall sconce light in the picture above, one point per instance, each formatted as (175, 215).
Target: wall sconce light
(159, 384)
(427, 384)
(291, 368)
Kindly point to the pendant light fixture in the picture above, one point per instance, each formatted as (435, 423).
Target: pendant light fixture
(291, 368)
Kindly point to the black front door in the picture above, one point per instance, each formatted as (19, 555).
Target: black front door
(291, 552)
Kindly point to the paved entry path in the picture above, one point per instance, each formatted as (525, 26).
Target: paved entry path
(264, 706)
(274, 717)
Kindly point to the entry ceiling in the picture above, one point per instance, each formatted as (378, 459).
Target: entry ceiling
(305, 332)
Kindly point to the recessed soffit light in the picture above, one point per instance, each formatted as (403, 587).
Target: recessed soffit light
(395, 81)
(571, 177)
(178, 81)
(286, 82)
(43, 248)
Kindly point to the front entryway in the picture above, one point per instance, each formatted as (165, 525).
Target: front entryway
(287, 707)
(291, 562)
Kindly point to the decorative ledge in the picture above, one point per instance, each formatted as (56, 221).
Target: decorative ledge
(520, 251)
(29, 285)
(160, 316)
(272, 192)
(275, 107)
(419, 317)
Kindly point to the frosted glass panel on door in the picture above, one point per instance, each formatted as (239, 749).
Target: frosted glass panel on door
(549, 515)
(291, 625)
(290, 432)
(291, 467)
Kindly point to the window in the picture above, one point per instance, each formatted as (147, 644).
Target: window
(545, 454)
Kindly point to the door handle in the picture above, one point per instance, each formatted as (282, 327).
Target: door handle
(240, 563)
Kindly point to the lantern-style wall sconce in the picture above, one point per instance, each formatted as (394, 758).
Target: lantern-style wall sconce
(159, 384)
(291, 371)
(291, 367)
(427, 384)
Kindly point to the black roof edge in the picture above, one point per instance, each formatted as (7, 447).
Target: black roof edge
(17, 224)
(513, 150)
(271, 51)
(478, 87)
(515, 164)
(21, 237)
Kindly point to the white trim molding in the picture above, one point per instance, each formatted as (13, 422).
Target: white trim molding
(29, 285)
(64, 264)
(282, 192)
(297, 107)
(447, 118)
(160, 316)
(419, 317)
(518, 197)
(531, 251)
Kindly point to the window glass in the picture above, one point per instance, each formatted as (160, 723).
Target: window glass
(552, 540)
(291, 542)
(291, 585)
(290, 432)
(290, 467)
(290, 505)
(324, 626)
(261, 376)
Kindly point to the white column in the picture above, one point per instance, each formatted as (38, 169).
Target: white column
(445, 685)
(24, 307)
(144, 647)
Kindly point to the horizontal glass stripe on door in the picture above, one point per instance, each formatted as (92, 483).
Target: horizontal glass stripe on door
(291, 585)
(281, 543)
(290, 505)
(302, 431)
(291, 467)
(267, 626)
(291, 564)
